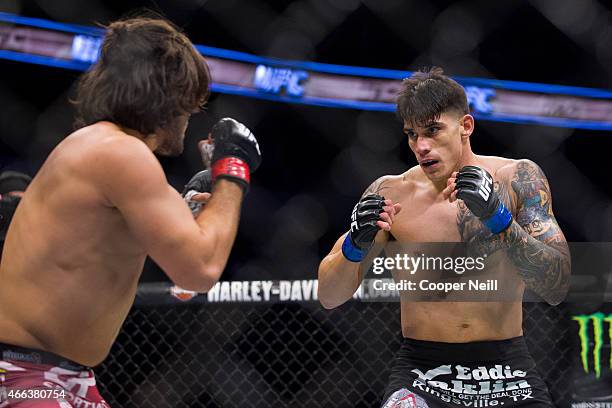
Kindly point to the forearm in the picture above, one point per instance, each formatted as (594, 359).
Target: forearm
(218, 224)
(544, 267)
(338, 279)
(339, 273)
(236, 155)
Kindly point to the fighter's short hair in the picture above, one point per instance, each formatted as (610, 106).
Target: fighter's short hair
(426, 94)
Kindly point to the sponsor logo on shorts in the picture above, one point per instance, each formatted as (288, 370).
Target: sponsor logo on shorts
(27, 357)
(475, 387)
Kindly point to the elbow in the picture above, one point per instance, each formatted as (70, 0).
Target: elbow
(328, 302)
(555, 298)
(327, 293)
(325, 300)
(208, 276)
(200, 279)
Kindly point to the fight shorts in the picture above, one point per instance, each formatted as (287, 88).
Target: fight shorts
(468, 375)
(38, 379)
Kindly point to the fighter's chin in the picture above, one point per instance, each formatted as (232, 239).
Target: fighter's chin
(170, 150)
(170, 153)
(436, 177)
(436, 172)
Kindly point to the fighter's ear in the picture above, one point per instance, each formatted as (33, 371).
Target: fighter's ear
(467, 126)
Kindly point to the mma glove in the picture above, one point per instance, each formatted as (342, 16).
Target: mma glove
(236, 152)
(474, 186)
(360, 238)
(201, 182)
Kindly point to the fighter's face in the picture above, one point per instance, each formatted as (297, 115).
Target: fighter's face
(172, 136)
(437, 145)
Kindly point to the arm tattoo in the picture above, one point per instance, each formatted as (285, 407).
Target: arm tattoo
(479, 240)
(535, 242)
(376, 187)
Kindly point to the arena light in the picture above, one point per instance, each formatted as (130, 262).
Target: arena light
(68, 46)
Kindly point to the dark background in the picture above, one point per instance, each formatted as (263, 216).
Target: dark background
(317, 161)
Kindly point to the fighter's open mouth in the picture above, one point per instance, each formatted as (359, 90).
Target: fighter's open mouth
(427, 163)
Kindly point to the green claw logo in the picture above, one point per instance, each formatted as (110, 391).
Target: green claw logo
(598, 320)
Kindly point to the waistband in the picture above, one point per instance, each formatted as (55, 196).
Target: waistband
(477, 351)
(34, 356)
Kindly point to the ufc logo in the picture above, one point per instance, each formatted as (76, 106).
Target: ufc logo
(485, 187)
(253, 140)
(245, 131)
(354, 225)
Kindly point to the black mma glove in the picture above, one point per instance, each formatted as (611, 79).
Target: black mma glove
(474, 186)
(360, 238)
(201, 182)
(236, 152)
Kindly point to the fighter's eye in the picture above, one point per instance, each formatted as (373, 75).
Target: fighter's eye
(434, 129)
(411, 135)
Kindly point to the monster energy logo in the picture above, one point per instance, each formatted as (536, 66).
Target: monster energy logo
(598, 320)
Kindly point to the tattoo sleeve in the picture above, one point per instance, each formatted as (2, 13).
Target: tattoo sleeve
(377, 187)
(535, 242)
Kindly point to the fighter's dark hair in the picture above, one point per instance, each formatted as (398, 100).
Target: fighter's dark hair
(427, 94)
(147, 74)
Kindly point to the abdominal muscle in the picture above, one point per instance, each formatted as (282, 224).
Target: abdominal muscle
(461, 322)
(473, 318)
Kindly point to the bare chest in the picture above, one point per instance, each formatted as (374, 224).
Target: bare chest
(426, 219)
(427, 222)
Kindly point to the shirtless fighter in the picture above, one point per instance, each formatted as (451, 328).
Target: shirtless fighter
(458, 354)
(100, 203)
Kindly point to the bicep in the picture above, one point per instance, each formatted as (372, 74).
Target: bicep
(535, 212)
(377, 187)
(155, 214)
(165, 228)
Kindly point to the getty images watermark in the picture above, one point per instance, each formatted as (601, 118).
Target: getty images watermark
(422, 275)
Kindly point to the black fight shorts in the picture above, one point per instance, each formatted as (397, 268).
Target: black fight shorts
(469, 375)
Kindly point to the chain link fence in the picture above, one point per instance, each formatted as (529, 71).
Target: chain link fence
(285, 354)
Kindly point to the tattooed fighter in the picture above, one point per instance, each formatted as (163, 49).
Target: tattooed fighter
(458, 354)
